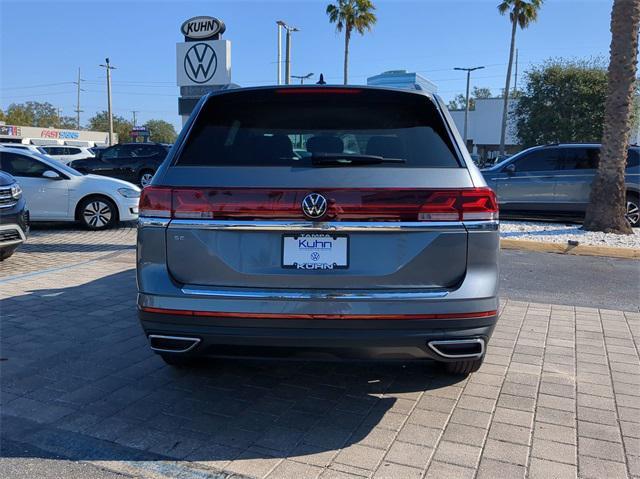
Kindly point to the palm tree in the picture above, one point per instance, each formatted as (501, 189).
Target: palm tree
(351, 15)
(521, 13)
(607, 206)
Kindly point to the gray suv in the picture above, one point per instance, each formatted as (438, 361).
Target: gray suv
(555, 180)
(319, 222)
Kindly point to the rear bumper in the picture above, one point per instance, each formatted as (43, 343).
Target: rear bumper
(400, 339)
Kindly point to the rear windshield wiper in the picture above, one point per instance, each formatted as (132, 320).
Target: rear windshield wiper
(346, 159)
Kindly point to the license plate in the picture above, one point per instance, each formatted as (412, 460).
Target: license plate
(315, 251)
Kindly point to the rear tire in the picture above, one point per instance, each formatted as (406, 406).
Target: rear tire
(464, 367)
(633, 210)
(178, 361)
(145, 177)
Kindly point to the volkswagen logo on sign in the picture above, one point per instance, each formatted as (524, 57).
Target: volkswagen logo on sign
(200, 63)
(314, 205)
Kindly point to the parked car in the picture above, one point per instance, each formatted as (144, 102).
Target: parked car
(14, 216)
(22, 146)
(555, 181)
(390, 252)
(134, 162)
(66, 154)
(56, 192)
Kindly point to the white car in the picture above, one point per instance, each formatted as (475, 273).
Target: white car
(66, 154)
(57, 192)
(22, 146)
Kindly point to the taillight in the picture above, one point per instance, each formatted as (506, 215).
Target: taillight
(155, 201)
(345, 204)
(478, 204)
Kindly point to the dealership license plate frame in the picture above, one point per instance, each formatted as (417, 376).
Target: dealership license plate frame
(334, 237)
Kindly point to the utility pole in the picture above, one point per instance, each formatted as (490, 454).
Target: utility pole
(302, 78)
(287, 62)
(466, 110)
(134, 116)
(78, 110)
(108, 66)
(280, 23)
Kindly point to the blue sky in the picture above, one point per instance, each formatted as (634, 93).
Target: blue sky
(42, 44)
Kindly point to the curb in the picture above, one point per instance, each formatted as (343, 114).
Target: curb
(561, 248)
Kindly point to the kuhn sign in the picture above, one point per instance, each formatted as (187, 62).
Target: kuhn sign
(200, 28)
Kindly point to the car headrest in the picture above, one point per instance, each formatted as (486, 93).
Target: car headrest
(273, 147)
(325, 144)
(385, 146)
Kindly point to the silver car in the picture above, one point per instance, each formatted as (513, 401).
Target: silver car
(379, 241)
(555, 181)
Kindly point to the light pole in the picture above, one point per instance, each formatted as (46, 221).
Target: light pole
(466, 110)
(287, 62)
(280, 24)
(109, 68)
(302, 78)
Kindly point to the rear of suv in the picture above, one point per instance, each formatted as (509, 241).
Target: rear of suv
(380, 241)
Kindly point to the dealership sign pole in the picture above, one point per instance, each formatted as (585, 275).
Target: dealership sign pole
(203, 61)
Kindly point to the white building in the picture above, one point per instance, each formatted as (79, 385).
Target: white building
(32, 135)
(484, 122)
(402, 79)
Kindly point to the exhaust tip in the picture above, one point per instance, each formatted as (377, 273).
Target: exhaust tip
(172, 344)
(458, 348)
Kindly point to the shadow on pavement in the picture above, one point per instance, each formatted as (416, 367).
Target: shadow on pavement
(79, 381)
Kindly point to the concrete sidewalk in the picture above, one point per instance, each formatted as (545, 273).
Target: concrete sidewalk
(558, 396)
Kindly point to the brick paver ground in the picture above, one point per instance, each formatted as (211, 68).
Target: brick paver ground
(558, 395)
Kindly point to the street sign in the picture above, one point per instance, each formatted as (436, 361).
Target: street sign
(203, 63)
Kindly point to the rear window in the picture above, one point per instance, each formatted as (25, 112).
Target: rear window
(287, 128)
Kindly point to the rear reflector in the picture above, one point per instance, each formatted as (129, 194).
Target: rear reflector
(357, 204)
(216, 314)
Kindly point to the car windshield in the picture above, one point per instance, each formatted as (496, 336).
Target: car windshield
(59, 166)
(297, 127)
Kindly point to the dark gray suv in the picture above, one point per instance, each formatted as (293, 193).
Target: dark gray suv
(379, 241)
(555, 180)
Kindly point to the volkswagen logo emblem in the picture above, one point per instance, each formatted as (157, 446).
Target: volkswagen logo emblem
(200, 63)
(314, 205)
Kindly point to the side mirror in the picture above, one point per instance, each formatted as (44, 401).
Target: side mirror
(52, 175)
(510, 169)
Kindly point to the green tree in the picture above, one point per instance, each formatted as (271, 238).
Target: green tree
(121, 126)
(161, 131)
(521, 13)
(17, 114)
(2, 115)
(350, 15)
(458, 103)
(562, 101)
(607, 207)
(67, 123)
(32, 113)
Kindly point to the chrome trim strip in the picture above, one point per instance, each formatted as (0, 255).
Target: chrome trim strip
(333, 295)
(196, 341)
(433, 345)
(144, 222)
(229, 225)
(482, 225)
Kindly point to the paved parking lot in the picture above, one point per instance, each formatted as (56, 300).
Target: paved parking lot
(82, 395)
